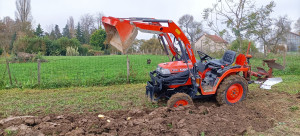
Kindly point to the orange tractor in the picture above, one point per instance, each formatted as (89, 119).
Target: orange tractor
(185, 78)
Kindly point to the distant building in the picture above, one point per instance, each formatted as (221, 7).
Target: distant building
(292, 42)
(210, 43)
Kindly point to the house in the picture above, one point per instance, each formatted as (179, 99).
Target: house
(210, 43)
(292, 41)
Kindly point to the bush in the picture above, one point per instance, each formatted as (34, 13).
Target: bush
(53, 49)
(59, 46)
(235, 45)
(83, 51)
(72, 51)
(40, 57)
(106, 52)
(89, 47)
(31, 45)
(97, 38)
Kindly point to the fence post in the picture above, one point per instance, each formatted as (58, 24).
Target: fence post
(38, 71)
(128, 69)
(284, 58)
(8, 71)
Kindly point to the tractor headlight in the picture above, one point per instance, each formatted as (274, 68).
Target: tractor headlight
(163, 70)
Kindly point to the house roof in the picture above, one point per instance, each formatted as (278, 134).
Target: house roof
(294, 33)
(216, 39)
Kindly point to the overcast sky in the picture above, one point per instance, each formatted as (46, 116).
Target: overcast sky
(50, 12)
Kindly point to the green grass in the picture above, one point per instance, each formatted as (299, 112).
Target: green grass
(73, 100)
(64, 71)
(294, 108)
(84, 71)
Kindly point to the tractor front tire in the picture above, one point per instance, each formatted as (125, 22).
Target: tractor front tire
(233, 89)
(179, 99)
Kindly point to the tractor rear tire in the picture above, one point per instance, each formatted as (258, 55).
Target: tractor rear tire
(179, 99)
(233, 89)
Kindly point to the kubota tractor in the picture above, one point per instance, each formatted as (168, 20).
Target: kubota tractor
(184, 77)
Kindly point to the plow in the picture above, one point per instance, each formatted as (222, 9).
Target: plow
(186, 77)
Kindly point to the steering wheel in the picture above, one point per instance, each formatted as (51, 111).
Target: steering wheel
(204, 57)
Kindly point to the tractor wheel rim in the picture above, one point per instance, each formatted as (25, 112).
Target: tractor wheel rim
(181, 103)
(234, 93)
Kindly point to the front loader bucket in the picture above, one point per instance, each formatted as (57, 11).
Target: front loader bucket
(119, 33)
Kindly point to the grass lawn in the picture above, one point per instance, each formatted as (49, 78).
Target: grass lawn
(77, 100)
(84, 71)
(65, 71)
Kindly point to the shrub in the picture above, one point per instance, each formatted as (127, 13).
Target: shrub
(97, 38)
(53, 49)
(235, 45)
(26, 57)
(1, 51)
(83, 51)
(89, 47)
(40, 57)
(31, 45)
(72, 51)
(59, 46)
(106, 52)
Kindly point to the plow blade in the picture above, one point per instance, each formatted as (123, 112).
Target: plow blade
(119, 33)
(272, 64)
(268, 83)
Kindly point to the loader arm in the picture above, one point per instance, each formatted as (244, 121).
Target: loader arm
(122, 31)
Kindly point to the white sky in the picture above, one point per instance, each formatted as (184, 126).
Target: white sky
(50, 12)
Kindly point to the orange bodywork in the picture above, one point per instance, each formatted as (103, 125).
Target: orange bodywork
(122, 31)
(176, 66)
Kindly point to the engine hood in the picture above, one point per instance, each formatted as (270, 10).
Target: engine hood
(176, 66)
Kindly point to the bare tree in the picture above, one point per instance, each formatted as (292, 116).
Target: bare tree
(192, 28)
(49, 28)
(71, 26)
(282, 27)
(231, 14)
(269, 31)
(87, 23)
(99, 16)
(4, 36)
(262, 23)
(23, 12)
(10, 25)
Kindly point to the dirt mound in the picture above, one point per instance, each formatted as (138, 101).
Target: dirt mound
(213, 120)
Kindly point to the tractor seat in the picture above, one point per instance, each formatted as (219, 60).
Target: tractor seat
(227, 59)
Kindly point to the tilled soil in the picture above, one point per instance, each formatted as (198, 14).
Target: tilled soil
(260, 112)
